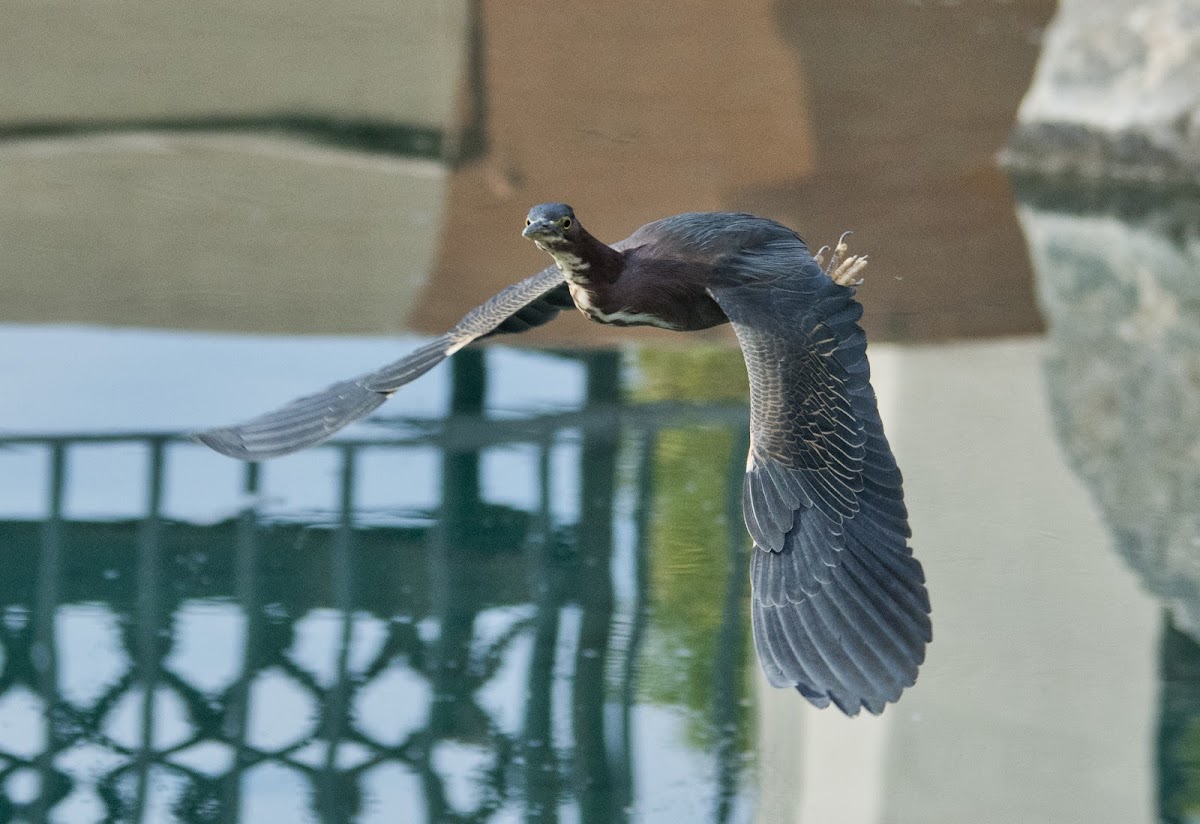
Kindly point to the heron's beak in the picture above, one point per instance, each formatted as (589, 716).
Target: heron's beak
(540, 228)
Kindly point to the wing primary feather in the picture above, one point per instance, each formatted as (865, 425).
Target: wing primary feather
(389, 378)
(907, 651)
(900, 648)
(841, 611)
(776, 677)
(835, 643)
(800, 666)
(796, 624)
(295, 426)
(889, 596)
(313, 418)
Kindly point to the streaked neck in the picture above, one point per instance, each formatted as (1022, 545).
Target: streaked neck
(586, 260)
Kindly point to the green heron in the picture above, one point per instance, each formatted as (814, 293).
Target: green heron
(840, 610)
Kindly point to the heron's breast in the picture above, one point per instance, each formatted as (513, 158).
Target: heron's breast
(605, 306)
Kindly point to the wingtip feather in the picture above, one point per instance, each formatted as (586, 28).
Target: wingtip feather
(224, 440)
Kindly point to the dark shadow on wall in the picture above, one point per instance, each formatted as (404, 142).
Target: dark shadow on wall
(910, 103)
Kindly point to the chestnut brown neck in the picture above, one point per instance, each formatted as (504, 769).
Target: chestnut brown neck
(585, 260)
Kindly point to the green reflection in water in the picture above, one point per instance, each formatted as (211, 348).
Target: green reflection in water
(692, 531)
(1179, 726)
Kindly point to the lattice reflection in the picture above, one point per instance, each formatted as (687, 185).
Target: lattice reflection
(365, 663)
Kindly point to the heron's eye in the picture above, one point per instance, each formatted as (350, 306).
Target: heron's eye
(566, 222)
(528, 221)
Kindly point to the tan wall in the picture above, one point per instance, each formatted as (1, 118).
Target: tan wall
(216, 232)
(114, 60)
(879, 116)
(200, 230)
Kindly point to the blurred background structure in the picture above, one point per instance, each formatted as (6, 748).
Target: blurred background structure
(519, 593)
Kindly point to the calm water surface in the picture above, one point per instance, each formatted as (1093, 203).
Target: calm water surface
(519, 592)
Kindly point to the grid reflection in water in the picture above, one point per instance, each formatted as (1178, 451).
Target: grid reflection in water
(473, 661)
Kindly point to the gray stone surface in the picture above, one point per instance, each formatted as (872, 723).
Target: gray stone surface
(1121, 298)
(1116, 93)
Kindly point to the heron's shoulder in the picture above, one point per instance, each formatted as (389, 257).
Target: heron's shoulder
(712, 233)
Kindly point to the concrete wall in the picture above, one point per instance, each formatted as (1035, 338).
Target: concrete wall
(112, 60)
(217, 232)
(109, 219)
(1038, 698)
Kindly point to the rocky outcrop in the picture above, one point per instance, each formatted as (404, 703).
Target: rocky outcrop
(1116, 94)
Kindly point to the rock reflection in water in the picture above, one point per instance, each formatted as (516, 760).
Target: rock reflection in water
(1118, 284)
(1118, 281)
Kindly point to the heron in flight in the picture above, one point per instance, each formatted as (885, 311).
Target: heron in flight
(840, 611)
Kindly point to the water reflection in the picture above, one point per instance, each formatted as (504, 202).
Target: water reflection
(1117, 280)
(1177, 748)
(1116, 274)
(476, 661)
(478, 614)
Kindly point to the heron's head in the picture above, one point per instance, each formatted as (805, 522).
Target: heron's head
(551, 225)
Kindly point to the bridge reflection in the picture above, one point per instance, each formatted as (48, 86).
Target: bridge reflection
(471, 662)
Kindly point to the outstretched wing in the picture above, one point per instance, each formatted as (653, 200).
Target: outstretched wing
(840, 610)
(535, 313)
(313, 418)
